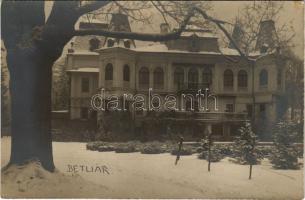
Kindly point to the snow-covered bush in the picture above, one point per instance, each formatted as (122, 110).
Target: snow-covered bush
(93, 146)
(185, 151)
(216, 155)
(285, 154)
(103, 148)
(152, 149)
(225, 149)
(128, 148)
(244, 146)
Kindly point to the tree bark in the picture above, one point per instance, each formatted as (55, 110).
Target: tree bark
(30, 86)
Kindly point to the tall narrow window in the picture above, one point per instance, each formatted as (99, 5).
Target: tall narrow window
(179, 77)
(144, 77)
(207, 76)
(193, 79)
(109, 72)
(242, 79)
(126, 73)
(228, 79)
(85, 84)
(158, 78)
(262, 111)
(263, 78)
(249, 110)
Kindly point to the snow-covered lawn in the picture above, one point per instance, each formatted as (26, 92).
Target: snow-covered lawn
(135, 175)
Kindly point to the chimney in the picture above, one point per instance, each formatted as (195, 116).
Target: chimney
(119, 22)
(164, 28)
(237, 35)
(266, 36)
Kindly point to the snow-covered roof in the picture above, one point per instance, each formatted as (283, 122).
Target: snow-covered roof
(153, 48)
(85, 69)
(162, 48)
(234, 52)
(193, 29)
(84, 52)
(229, 51)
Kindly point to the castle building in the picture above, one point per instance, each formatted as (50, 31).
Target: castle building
(193, 62)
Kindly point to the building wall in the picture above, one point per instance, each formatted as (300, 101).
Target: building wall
(240, 98)
(75, 61)
(78, 98)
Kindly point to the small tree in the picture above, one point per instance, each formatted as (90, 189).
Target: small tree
(284, 155)
(245, 147)
(209, 151)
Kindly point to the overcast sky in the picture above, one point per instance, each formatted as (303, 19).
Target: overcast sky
(228, 10)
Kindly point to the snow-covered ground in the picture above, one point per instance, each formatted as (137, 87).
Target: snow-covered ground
(135, 175)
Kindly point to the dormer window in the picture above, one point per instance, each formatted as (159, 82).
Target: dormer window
(94, 44)
(110, 43)
(264, 48)
(127, 44)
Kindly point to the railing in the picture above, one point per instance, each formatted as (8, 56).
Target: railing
(217, 116)
(192, 86)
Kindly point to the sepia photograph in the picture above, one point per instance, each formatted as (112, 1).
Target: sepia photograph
(152, 99)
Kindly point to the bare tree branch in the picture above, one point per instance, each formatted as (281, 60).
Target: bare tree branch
(130, 35)
(139, 36)
(161, 12)
(219, 24)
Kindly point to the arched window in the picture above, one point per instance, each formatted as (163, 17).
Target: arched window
(94, 43)
(109, 72)
(179, 77)
(207, 76)
(228, 79)
(263, 78)
(126, 73)
(158, 78)
(193, 79)
(242, 79)
(144, 77)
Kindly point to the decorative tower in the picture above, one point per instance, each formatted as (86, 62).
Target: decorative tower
(119, 22)
(237, 35)
(267, 37)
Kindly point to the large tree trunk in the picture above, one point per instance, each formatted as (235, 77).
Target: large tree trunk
(30, 85)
